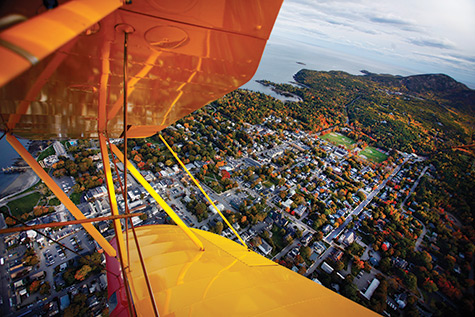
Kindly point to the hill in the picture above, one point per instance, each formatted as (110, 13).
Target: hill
(453, 93)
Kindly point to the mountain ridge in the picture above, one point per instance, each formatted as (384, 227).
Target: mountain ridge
(457, 94)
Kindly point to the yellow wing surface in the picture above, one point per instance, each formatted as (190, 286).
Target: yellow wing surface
(224, 280)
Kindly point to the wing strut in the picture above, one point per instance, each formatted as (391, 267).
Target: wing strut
(202, 190)
(136, 174)
(60, 194)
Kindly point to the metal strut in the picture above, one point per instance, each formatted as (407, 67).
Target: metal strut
(51, 184)
(202, 190)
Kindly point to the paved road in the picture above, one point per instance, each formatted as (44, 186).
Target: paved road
(333, 234)
(317, 262)
(413, 188)
(419, 240)
(286, 249)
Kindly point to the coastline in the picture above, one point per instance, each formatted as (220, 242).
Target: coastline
(22, 182)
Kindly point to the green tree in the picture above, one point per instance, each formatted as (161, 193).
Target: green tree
(385, 264)
(218, 228)
(305, 252)
(339, 266)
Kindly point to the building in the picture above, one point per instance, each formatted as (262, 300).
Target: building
(371, 288)
(96, 193)
(50, 160)
(300, 210)
(306, 239)
(326, 267)
(265, 248)
(327, 229)
(59, 149)
(319, 247)
(287, 203)
(337, 255)
(347, 238)
(220, 207)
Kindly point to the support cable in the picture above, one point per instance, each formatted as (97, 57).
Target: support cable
(124, 190)
(139, 251)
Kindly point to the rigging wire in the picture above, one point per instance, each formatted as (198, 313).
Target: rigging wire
(130, 305)
(142, 263)
(125, 106)
(203, 191)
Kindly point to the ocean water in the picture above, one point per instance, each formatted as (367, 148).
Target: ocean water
(283, 58)
(7, 158)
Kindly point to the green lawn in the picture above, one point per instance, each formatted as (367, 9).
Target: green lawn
(24, 204)
(373, 154)
(49, 151)
(76, 198)
(338, 139)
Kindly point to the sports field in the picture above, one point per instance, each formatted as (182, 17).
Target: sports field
(338, 139)
(373, 154)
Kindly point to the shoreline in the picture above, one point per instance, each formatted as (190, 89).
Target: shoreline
(21, 183)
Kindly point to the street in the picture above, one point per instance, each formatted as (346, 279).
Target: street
(333, 234)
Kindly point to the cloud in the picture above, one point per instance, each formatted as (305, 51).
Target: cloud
(432, 42)
(389, 19)
(464, 58)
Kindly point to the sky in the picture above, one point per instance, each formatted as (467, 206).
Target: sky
(420, 36)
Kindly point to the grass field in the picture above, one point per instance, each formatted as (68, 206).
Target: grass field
(49, 151)
(338, 139)
(24, 204)
(373, 154)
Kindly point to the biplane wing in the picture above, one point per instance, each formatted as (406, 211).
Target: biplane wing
(181, 56)
(71, 71)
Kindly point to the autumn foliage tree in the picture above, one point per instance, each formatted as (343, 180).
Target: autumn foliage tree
(82, 273)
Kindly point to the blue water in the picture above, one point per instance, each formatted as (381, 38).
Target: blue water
(283, 58)
(279, 63)
(7, 158)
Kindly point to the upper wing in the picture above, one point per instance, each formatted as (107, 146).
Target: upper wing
(181, 56)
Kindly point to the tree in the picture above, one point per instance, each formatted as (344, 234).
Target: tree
(288, 240)
(298, 233)
(339, 266)
(305, 252)
(430, 286)
(45, 288)
(411, 281)
(200, 208)
(82, 273)
(385, 264)
(257, 241)
(218, 228)
(34, 287)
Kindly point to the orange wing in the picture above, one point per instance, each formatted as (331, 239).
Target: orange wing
(181, 56)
